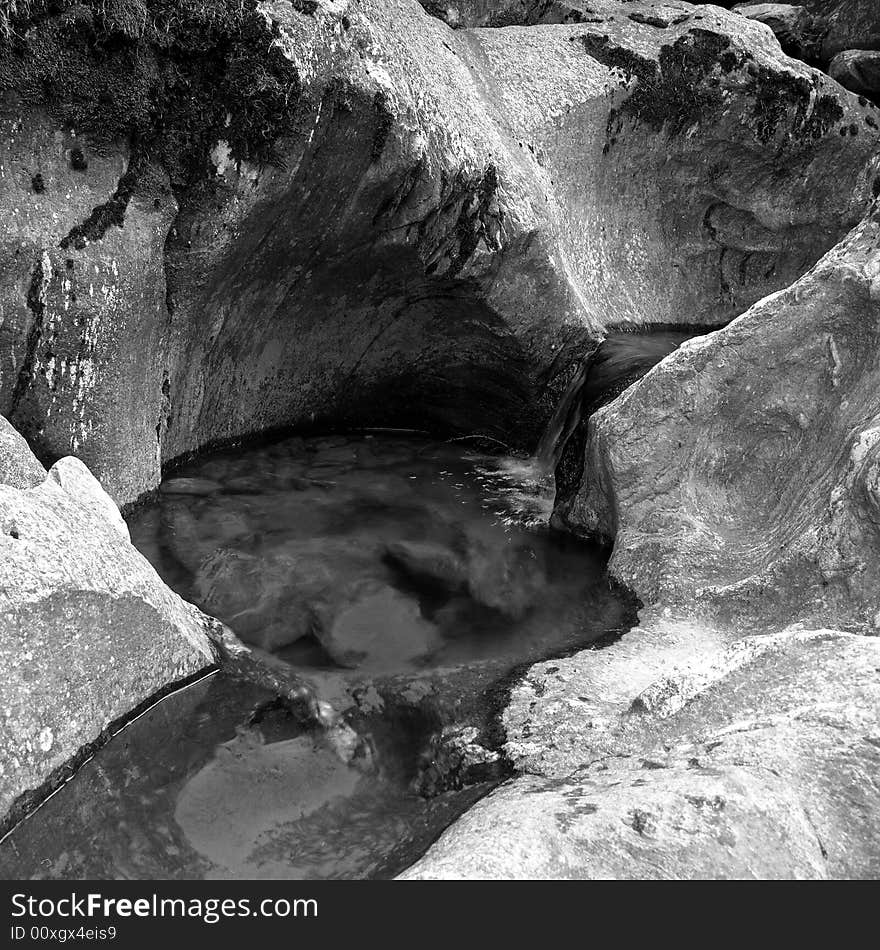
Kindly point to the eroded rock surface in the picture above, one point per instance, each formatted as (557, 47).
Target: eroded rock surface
(439, 271)
(87, 628)
(755, 760)
(758, 496)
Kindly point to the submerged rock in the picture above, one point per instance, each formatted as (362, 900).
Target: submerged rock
(189, 486)
(374, 626)
(505, 577)
(87, 628)
(430, 564)
(260, 598)
(275, 598)
(292, 779)
(510, 579)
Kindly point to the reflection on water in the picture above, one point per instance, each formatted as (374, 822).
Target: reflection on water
(390, 571)
(192, 790)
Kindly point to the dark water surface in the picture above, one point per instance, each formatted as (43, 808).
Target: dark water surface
(407, 579)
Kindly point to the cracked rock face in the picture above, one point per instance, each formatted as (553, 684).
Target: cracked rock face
(760, 496)
(751, 761)
(87, 628)
(419, 255)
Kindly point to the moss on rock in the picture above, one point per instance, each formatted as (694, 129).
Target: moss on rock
(683, 87)
(170, 77)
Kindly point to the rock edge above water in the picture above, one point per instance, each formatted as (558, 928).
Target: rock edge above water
(757, 759)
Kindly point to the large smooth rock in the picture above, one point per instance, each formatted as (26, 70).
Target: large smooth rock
(754, 761)
(738, 478)
(88, 630)
(449, 219)
(267, 600)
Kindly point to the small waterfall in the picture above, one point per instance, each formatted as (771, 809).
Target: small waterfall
(563, 422)
(620, 360)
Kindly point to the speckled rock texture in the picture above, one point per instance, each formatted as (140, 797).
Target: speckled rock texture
(87, 629)
(81, 330)
(756, 760)
(451, 219)
(18, 467)
(758, 500)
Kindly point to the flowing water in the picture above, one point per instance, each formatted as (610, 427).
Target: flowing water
(409, 580)
(618, 361)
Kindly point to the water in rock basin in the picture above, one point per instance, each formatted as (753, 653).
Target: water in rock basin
(408, 579)
(378, 554)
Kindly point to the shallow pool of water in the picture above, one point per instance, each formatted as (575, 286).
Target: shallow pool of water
(193, 789)
(408, 579)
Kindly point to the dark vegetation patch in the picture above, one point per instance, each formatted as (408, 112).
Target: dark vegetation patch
(169, 77)
(777, 94)
(104, 215)
(467, 213)
(38, 184)
(682, 87)
(474, 220)
(671, 92)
